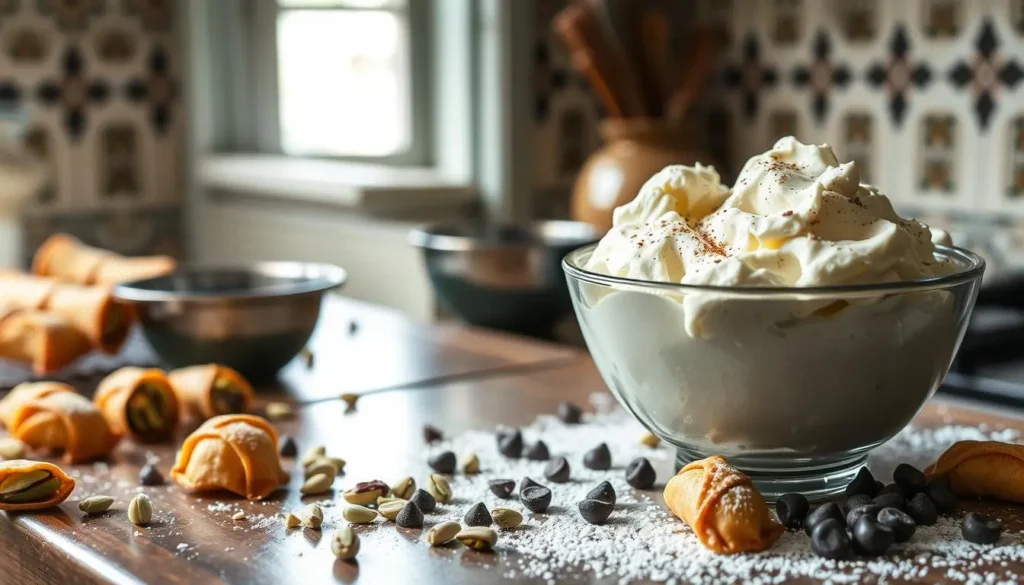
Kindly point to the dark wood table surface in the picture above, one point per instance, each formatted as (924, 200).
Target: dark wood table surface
(452, 376)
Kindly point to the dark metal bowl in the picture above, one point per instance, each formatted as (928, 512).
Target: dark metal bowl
(254, 319)
(503, 276)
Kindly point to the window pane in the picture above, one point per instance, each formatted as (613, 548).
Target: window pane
(343, 82)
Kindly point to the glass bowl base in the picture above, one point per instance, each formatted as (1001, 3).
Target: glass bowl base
(816, 478)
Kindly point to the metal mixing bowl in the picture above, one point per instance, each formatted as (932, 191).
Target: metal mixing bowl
(254, 319)
(502, 276)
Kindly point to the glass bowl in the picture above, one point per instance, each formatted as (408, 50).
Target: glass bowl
(793, 385)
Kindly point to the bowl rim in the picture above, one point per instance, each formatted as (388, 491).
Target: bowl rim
(973, 266)
(433, 236)
(321, 277)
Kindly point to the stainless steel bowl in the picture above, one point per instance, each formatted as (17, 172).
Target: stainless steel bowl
(502, 276)
(254, 319)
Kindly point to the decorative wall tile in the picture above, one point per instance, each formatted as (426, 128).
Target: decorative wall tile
(986, 73)
(858, 142)
(821, 76)
(942, 17)
(939, 153)
(99, 82)
(750, 76)
(786, 24)
(859, 19)
(898, 74)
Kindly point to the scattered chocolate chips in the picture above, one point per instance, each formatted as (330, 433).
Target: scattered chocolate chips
(891, 489)
(599, 458)
(864, 484)
(942, 496)
(891, 500)
(558, 470)
(423, 500)
(569, 413)
(149, 475)
(980, 529)
(595, 511)
(502, 487)
(538, 452)
(432, 434)
(901, 524)
(792, 509)
(829, 540)
(444, 462)
(909, 478)
(640, 474)
(855, 502)
(871, 538)
(922, 510)
(829, 511)
(410, 516)
(510, 443)
(536, 499)
(527, 483)
(287, 447)
(478, 516)
(604, 492)
(859, 512)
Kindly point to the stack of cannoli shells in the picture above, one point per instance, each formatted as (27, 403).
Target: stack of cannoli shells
(45, 340)
(64, 257)
(90, 309)
(51, 415)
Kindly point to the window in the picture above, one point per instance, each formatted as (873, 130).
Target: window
(350, 79)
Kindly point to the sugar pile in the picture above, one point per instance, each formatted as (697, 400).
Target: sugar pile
(641, 540)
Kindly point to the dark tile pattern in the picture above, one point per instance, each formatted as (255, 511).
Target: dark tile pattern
(986, 73)
(155, 15)
(73, 92)
(158, 90)
(71, 15)
(26, 45)
(898, 74)
(821, 76)
(750, 76)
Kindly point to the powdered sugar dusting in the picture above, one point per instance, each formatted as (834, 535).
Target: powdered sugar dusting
(642, 540)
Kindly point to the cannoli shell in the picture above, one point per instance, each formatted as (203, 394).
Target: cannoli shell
(64, 420)
(115, 390)
(67, 483)
(46, 341)
(983, 469)
(194, 388)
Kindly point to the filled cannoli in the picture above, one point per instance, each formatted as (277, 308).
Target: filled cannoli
(32, 485)
(138, 402)
(63, 421)
(210, 390)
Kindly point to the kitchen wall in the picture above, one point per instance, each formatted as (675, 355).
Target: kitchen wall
(926, 95)
(99, 82)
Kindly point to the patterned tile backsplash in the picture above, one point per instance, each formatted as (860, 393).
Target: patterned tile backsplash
(927, 96)
(99, 81)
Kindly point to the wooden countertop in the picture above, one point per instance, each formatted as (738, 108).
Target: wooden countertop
(451, 376)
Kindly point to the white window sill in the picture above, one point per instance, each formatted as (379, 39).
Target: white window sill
(368, 188)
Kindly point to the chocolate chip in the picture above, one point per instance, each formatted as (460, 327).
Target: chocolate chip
(478, 516)
(502, 487)
(909, 478)
(864, 483)
(878, 487)
(829, 540)
(981, 529)
(829, 511)
(424, 500)
(595, 511)
(538, 452)
(536, 499)
(891, 489)
(792, 509)
(149, 475)
(510, 443)
(527, 483)
(891, 500)
(557, 471)
(944, 499)
(287, 447)
(640, 474)
(901, 524)
(569, 413)
(870, 538)
(432, 434)
(855, 514)
(922, 510)
(599, 458)
(443, 462)
(856, 502)
(604, 492)
(410, 516)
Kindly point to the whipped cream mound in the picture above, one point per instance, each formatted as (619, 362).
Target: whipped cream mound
(796, 217)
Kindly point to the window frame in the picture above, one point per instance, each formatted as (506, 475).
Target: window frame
(263, 66)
